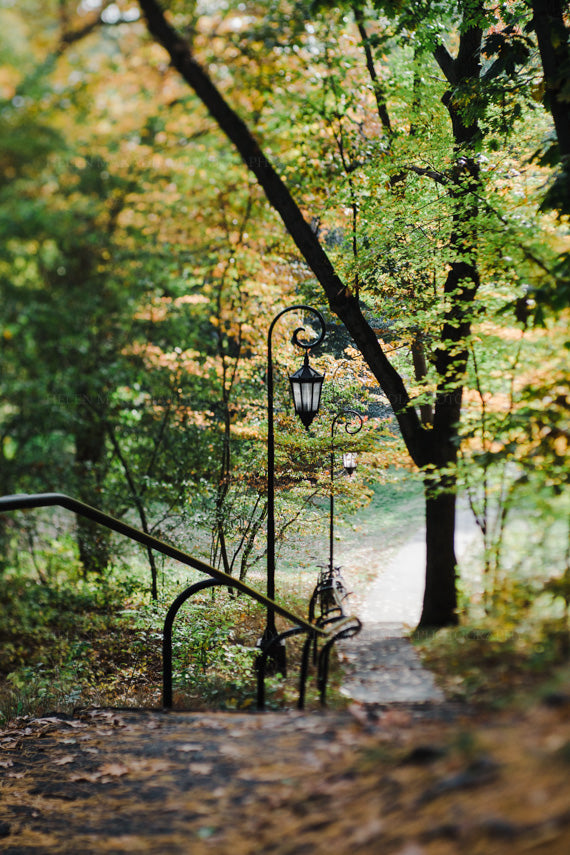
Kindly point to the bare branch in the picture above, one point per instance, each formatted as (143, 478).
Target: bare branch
(69, 36)
(376, 85)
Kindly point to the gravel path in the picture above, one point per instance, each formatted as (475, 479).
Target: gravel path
(381, 664)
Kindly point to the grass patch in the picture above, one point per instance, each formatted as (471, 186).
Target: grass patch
(486, 664)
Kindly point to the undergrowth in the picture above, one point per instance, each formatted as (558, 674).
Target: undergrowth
(480, 664)
(68, 643)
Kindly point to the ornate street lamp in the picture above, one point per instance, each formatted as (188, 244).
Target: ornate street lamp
(349, 464)
(306, 385)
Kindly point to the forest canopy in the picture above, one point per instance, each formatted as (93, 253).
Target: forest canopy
(174, 173)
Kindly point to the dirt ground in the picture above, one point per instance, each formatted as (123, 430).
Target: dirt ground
(423, 780)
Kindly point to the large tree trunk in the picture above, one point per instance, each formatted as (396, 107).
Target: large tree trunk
(440, 598)
(462, 282)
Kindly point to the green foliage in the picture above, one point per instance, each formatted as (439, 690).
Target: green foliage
(35, 691)
(559, 586)
(48, 636)
(31, 612)
(487, 663)
(212, 667)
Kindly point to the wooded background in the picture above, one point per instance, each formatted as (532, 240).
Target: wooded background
(175, 173)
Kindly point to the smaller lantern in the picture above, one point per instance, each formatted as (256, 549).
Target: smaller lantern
(349, 461)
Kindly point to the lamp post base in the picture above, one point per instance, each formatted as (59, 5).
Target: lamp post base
(273, 647)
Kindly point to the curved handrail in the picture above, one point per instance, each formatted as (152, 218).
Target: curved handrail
(266, 651)
(24, 501)
(346, 626)
(261, 662)
(167, 635)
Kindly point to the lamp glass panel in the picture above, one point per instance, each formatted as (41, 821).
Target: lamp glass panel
(308, 396)
(296, 389)
(317, 394)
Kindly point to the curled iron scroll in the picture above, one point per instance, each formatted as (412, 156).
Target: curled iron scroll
(347, 429)
(308, 345)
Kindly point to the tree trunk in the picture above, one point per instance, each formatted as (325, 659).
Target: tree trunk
(552, 37)
(92, 539)
(440, 598)
(93, 545)
(462, 282)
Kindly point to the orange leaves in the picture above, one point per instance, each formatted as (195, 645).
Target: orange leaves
(192, 299)
(158, 310)
(498, 402)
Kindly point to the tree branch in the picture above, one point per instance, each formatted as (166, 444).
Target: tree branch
(376, 85)
(446, 63)
(438, 177)
(69, 36)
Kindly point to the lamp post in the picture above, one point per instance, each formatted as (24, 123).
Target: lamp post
(349, 464)
(306, 385)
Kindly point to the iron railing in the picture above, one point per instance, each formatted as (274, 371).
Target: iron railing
(345, 627)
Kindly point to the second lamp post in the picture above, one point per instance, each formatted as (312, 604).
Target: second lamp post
(349, 464)
(306, 385)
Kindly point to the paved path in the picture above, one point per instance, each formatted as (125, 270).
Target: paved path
(381, 664)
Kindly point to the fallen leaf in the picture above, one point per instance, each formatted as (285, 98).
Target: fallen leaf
(201, 768)
(367, 832)
(63, 761)
(115, 770)
(90, 777)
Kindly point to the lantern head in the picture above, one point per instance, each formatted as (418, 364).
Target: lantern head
(306, 385)
(349, 461)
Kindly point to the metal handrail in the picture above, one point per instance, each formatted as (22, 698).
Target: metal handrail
(25, 501)
(44, 500)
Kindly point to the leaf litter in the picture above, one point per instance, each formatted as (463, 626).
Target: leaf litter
(398, 780)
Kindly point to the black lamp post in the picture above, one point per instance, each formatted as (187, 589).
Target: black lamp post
(306, 385)
(349, 464)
